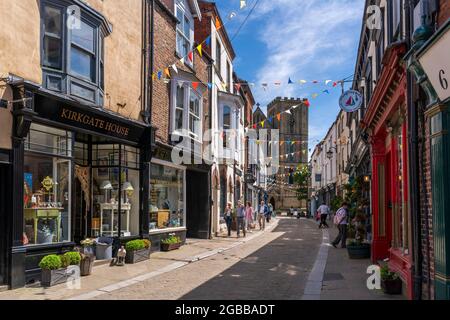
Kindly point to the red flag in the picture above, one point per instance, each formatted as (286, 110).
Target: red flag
(254, 126)
(238, 86)
(306, 102)
(191, 56)
(334, 84)
(195, 85)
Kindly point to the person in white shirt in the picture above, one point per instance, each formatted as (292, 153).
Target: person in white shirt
(324, 211)
(340, 219)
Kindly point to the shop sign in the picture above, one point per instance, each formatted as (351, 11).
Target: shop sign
(350, 101)
(82, 117)
(436, 65)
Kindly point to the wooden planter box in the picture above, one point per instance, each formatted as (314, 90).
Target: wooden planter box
(51, 278)
(392, 286)
(137, 256)
(170, 246)
(359, 252)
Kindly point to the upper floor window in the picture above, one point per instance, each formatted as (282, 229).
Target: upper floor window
(229, 84)
(395, 19)
(186, 110)
(218, 56)
(72, 52)
(226, 124)
(185, 31)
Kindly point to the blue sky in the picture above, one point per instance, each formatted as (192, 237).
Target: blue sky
(301, 39)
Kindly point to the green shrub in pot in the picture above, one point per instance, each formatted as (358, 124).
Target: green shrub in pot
(135, 245)
(74, 258)
(51, 262)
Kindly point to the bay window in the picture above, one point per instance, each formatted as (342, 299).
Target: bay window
(186, 110)
(185, 33)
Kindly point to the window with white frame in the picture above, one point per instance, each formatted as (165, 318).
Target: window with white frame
(186, 110)
(185, 31)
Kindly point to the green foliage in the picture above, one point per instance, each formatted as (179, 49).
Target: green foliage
(387, 275)
(74, 258)
(51, 262)
(135, 245)
(301, 179)
(147, 243)
(65, 261)
(172, 239)
(336, 203)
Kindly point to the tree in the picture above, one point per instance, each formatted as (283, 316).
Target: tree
(301, 179)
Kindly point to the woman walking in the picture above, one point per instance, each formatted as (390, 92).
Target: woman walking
(228, 218)
(249, 217)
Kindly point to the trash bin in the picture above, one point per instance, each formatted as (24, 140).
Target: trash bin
(103, 248)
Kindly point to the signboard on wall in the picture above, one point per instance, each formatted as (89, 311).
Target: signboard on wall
(436, 64)
(350, 101)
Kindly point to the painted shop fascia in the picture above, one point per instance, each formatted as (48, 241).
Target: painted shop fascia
(434, 79)
(72, 164)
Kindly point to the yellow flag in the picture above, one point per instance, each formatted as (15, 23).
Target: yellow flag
(262, 123)
(199, 49)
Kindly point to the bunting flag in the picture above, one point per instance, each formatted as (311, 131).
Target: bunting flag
(174, 67)
(306, 103)
(167, 72)
(279, 116)
(326, 91)
(277, 83)
(328, 81)
(237, 86)
(210, 85)
(315, 81)
(159, 75)
(290, 81)
(270, 119)
(288, 111)
(314, 95)
(199, 49)
(191, 56)
(293, 142)
(303, 81)
(243, 4)
(195, 85)
(231, 15)
(218, 24)
(153, 76)
(182, 60)
(334, 84)
(254, 126)
(262, 123)
(281, 143)
(208, 41)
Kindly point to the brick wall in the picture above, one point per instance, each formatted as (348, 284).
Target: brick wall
(165, 55)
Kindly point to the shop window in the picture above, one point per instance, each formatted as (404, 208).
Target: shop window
(73, 54)
(47, 186)
(186, 111)
(167, 201)
(185, 32)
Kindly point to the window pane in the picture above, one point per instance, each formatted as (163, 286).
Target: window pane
(52, 21)
(48, 140)
(180, 97)
(82, 92)
(187, 28)
(82, 63)
(52, 52)
(84, 36)
(178, 119)
(166, 197)
(46, 199)
(194, 104)
(226, 117)
(129, 220)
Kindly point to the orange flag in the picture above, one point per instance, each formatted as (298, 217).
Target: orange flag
(167, 72)
(218, 24)
(279, 116)
(195, 85)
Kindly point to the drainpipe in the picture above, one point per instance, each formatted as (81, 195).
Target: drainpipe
(212, 221)
(414, 189)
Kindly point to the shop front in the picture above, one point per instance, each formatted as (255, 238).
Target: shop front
(386, 124)
(78, 172)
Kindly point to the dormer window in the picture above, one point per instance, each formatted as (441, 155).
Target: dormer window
(73, 53)
(185, 30)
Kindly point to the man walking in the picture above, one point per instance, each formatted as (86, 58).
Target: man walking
(340, 219)
(227, 215)
(324, 211)
(262, 211)
(240, 214)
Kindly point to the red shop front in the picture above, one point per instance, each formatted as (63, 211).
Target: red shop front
(386, 122)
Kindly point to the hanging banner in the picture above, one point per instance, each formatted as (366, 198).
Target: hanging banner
(350, 101)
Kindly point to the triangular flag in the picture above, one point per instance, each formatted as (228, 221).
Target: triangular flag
(182, 60)
(328, 81)
(279, 116)
(290, 81)
(199, 49)
(166, 80)
(278, 83)
(210, 85)
(195, 85)
(281, 143)
(153, 76)
(306, 103)
(174, 67)
(292, 142)
(254, 126)
(208, 41)
(218, 25)
(243, 4)
(295, 107)
(303, 81)
(326, 91)
(314, 95)
(159, 75)
(288, 111)
(270, 119)
(238, 86)
(231, 15)
(262, 123)
(334, 84)
(191, 56)
(315, 81)
(167, 72)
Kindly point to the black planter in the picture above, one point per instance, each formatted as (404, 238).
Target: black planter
(137, 256)
(361, 251)
(53, 277)
(170, 246)
(392, 286)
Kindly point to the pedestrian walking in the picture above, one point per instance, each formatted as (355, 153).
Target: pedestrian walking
(240, 215)
(262, 211)
(324, 211)
(249, 217)
(269, 213)
(227, 215)
(291, 211)
(340, 219)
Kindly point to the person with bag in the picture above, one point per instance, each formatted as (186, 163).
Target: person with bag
(340, 220)
(240, 216)
(262, 211)
(249, 217)
(227, 215)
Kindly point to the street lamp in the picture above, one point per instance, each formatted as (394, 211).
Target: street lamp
(330, 152)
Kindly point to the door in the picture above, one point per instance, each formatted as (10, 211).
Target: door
(5, 210)
(198, 218)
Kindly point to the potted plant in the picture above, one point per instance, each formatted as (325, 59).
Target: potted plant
(390, 281)
(73, 264)
(137, 251)
(53, 271)
(86, 264)
(88, 246)
(358, 250)
(171, 243)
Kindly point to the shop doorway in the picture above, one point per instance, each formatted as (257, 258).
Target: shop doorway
(5, 209)
(198, 218)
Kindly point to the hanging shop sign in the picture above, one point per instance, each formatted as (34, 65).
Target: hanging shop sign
(436, 64)
(350, 101)
(88, 118)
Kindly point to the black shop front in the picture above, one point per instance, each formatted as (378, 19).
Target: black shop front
(78, 171)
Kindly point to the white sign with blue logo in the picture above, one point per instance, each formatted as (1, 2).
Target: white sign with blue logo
(350, 101)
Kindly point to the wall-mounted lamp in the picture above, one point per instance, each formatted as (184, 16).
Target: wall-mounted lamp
(366, 178)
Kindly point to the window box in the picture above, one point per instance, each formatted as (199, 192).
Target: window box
(170, 246)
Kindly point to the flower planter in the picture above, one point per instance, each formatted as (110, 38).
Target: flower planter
(86, 264)
(392, 286)
(53, 277)
(137, 256)
(361, 251)
(170, 246)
